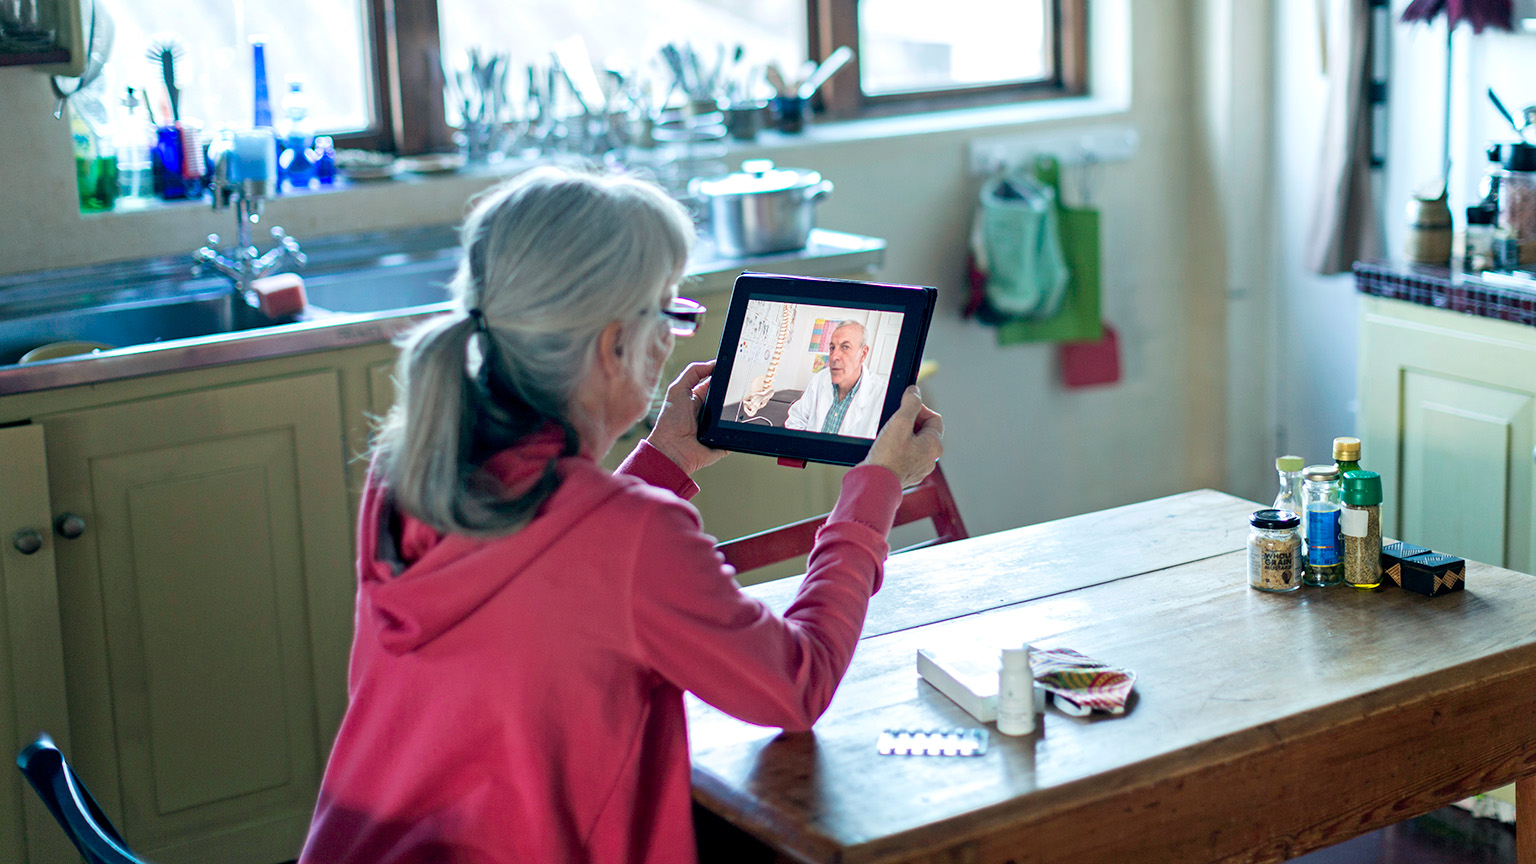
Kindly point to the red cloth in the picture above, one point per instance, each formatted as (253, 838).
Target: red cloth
(521, 698)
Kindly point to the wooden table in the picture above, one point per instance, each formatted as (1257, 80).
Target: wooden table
(1263, 726)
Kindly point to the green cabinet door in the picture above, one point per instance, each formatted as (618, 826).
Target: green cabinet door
(207, 610)
(31, 649)
(1448, 416)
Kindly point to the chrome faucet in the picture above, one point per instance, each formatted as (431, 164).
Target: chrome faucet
(244, 264)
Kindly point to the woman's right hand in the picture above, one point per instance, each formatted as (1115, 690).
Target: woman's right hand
(910, 442)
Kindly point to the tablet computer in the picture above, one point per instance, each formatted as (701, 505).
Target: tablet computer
(811, 368)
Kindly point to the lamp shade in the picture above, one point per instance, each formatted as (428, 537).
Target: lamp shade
(1498, 14)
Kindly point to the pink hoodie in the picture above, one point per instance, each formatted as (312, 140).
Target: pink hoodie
(520, 698)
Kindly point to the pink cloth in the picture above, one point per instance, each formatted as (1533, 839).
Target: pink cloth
(521, 698)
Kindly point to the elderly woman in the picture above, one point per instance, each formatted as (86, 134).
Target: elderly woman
(526, 621)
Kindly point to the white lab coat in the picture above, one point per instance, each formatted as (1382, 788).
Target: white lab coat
(862, 419)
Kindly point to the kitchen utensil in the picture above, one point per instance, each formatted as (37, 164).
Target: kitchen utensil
(776, 80)
(1504, 112)
(835, 61)
(762, 209)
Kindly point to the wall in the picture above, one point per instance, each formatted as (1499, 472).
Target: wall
(1020, 449)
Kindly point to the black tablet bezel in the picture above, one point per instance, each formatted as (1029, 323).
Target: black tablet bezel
(915, 302)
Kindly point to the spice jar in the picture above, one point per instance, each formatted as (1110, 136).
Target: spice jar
(1517, 198)
(1274, 550)
(1429, 230)
(1320, 497)
(1360, 528)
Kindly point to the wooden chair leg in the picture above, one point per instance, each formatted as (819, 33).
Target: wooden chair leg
(1525, 820)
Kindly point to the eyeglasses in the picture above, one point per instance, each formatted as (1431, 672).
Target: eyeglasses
(685, 315)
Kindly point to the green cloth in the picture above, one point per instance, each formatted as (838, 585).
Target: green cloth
(1026, 275)
(1077, 319)
(834, 420)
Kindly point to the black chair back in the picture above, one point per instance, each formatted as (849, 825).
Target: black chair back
(72, 805)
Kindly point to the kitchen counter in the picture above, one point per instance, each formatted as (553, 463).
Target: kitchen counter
(1501, 296)
(829, 253)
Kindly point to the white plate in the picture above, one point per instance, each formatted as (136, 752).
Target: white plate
(368, 172)
(57, 350)
(432, 163)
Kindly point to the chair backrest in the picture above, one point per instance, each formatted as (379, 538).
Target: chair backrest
(930, 499)
(72, 805)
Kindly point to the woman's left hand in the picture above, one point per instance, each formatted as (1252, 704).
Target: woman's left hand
(677, 427)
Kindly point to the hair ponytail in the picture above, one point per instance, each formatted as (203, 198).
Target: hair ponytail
(552, 257)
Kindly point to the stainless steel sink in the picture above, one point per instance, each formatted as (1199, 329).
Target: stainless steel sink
(385, 286)
(161, 300)
(136, 322)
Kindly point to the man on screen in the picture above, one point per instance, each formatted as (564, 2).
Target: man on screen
(844, 398)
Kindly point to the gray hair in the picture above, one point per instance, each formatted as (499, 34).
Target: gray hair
(849, 322)
(552, 257)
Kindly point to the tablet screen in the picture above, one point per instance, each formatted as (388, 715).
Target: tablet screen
(810, 368)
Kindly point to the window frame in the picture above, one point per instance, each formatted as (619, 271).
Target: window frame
(409, 117)
(407, 78)
(831, 23)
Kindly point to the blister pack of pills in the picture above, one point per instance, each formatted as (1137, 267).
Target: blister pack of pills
(932, 742)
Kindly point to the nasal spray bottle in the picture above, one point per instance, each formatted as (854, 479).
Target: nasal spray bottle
(1016, 693)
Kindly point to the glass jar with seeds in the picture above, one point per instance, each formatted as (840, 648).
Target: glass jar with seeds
(1274, 551)
(1360, 528)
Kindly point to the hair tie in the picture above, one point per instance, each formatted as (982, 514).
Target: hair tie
(479, 318)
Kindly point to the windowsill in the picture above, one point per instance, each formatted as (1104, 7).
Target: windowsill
(816, 133)
(938, 122)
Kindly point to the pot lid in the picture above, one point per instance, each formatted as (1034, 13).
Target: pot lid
(758, 177)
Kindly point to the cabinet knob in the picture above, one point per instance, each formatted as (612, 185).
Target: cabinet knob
(27, 541)
(69, 526)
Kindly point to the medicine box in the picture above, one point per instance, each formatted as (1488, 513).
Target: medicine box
(1417, 569)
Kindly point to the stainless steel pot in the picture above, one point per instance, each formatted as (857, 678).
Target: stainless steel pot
(762, 209)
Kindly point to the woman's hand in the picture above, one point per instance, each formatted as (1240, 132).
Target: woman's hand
(910, 442)
(677, 427)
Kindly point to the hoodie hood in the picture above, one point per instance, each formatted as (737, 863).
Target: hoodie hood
(418, 583)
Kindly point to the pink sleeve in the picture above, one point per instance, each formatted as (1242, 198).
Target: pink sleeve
(697, 629)
(650, 465)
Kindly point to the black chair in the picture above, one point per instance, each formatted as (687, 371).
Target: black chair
(72, 805)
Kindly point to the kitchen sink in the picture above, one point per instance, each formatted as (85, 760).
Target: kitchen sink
(118, 325)
(385, 286)
(160, 300)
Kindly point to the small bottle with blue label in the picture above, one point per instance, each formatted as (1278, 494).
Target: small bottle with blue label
(1320, 498)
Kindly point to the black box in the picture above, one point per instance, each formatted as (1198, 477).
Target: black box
(1434, 574)
(1392, 557)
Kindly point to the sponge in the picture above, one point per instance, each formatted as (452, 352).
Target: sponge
(280, 295)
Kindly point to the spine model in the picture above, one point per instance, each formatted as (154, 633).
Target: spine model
(761, 388)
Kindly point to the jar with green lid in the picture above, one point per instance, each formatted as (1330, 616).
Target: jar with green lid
(1320, 497)
(1274, 551)
(1360, 528)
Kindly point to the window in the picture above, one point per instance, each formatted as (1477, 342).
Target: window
(326, 46)
(916, 55)
(376, 71)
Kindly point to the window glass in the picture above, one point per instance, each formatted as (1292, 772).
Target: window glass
(323, 44)
(626, 35)
(916, 45)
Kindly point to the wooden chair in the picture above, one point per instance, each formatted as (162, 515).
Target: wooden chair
(930, 499)
(72, 805)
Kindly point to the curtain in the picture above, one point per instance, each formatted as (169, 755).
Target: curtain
(1344, 228)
